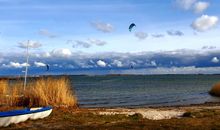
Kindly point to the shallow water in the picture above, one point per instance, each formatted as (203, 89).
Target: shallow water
(142, 91)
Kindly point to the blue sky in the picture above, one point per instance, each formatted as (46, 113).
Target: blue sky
(93, 35)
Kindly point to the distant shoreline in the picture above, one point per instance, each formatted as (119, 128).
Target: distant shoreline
(35, 76)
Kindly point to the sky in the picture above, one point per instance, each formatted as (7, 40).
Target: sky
(92, 36)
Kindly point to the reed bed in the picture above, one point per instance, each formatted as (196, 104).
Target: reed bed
(44, 91)
(11, 94)
(3, 90)
(215, 91)
(3, 86)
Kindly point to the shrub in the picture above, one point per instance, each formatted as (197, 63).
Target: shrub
(215, 91)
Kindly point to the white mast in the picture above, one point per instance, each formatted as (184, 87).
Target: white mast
(26, 69)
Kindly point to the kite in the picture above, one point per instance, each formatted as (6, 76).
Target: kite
(131, 27)
(48, 67)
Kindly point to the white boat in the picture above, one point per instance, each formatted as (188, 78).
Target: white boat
(17, 116)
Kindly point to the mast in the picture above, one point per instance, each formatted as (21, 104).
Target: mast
(26, 69)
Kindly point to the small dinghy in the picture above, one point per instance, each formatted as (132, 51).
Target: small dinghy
(17, 116)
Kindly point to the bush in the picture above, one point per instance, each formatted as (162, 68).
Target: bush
(215, 91)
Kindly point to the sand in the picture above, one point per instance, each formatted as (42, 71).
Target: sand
(155, 113)
(152, 114)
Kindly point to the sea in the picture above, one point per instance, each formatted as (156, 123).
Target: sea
(143, 90)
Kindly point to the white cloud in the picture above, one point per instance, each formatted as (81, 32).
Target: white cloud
(205, 23)
(87, 43)
(45, 32)
(209, 47)
(157, 35)
(101, 63)
(30, 44)
(83, 44)
(117, 63)
(61, 52)
(97, 42)
(185, 4)
(153, 63)
(104, 27)
(46, 54)
(197, 7)
(141, 35)
(175, 33)
(215, 60)
(200, 6)
(16, 65)
(39, 64)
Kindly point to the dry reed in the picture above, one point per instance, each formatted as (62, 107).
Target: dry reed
(3, 86)
(3, 90)
(215, 91)
(43, 91)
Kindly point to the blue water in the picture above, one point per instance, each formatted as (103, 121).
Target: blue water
(143, 91)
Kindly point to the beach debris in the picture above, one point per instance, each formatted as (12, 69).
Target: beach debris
(131, 26)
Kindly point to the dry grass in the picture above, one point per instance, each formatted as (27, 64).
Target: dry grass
(3, 90)
(9, 95)
(15, 92)
(45, 91)
(215, 91)
(3, 86)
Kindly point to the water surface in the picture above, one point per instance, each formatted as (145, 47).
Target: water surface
(143, 90)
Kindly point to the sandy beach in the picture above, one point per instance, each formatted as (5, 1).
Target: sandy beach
(203, 116)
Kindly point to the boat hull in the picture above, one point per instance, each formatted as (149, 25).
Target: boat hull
(31, 114)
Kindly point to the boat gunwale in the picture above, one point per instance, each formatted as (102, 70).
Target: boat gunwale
(25, 111)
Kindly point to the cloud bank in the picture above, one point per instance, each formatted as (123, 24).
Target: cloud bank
(64, 60)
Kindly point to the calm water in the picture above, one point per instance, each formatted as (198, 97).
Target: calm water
(150, 90)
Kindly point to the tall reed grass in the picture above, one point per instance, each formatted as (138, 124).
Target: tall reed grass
(43, 91)
(215, 91)
(3, 86)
